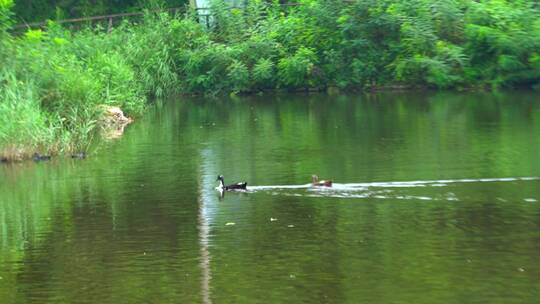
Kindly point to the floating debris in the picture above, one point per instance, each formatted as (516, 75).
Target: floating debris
(230, 224)
(521, 269)
(112, 121)
(273, 219)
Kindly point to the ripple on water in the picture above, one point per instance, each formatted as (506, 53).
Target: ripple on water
(386, 190)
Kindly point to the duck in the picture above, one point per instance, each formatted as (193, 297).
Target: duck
(237, 186)
(39, 157)
(320, 183)
(79, 155)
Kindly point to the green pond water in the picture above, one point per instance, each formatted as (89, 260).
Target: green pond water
(436, 199)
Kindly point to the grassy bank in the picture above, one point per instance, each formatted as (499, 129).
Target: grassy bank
(53, 82)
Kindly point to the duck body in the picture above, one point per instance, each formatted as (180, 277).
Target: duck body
(237, 186)
(79, 155)
(38, 157)
(320, 183)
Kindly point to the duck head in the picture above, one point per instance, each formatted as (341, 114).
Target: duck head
(220, 179)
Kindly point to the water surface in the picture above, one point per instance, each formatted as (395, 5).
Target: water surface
(436, 200)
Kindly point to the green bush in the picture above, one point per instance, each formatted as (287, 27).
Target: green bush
(264, 73)
(297, 70)
(204, 70)
(501, 37)
(53, 81)
(151, 50)
(238, 76)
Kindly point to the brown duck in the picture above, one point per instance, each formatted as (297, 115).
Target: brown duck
(320, 183)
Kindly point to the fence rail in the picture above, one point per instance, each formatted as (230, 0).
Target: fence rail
(108, 18)
(202, 12)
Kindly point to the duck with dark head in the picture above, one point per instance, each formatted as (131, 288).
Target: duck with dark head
(223, 187)
(320, 183)
(39, 157)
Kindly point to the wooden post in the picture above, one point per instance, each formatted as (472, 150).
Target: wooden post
(109, 28)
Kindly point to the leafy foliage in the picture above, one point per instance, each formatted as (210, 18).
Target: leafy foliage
(5, 14)
(298, 70)
(316, 44)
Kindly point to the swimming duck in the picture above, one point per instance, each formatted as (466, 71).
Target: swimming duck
(237, 186)
(79, 155)
(38, 157)
(323, 183)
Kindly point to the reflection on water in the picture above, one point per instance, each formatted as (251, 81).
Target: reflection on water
(207, 210)
(436, 200)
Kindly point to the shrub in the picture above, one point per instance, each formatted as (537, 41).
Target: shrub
(238, 76)
(59, 78)
(501, 37)
(151, 50)
(297, 70)
(263, 73)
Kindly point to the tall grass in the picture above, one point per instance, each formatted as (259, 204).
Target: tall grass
(52, 88)
(23, 124)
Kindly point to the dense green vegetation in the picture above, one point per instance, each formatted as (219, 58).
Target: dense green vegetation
(52, 82)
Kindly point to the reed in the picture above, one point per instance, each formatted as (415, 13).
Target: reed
(53, 81)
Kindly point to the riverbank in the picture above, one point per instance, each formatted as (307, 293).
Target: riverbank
(54, 81)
